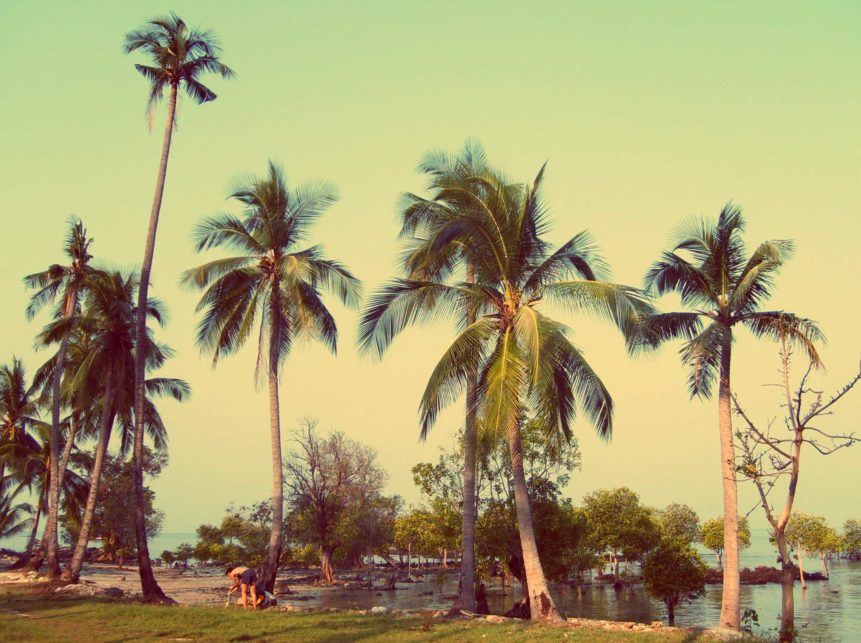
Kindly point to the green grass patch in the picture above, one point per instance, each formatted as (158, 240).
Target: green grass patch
(31, 618)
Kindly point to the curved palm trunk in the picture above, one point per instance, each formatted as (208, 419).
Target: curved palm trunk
(151, 589)
(541, 605)
(730, 606)
(31, 541)
(50, 545)
(466, 589)
(73, 571)
(273, 555)
(67, 450)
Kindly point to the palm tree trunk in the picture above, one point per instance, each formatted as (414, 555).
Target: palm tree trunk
(31, 541)
(541, 605)
(73, 571)
(67, 450)
(466, 594)
(151, 591)
(273, 555)
(327, 574)
(48, 550)
(800, 553)
(787, 579)
(730, 606)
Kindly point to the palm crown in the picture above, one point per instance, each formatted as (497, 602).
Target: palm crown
(180, 56)
(710, 271)
(272, 278)
(522, 358)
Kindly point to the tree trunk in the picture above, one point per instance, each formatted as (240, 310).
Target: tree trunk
(73, 571)
(787, 578)
(31, 541)
(671, 613)
(466, 593)
(327, 574)
(51, 527)
(151, 590)
(730, 601)
(67, 449)
(800, 553)
(445, 559)
(541, 605)
(409, 560)
(273, 555)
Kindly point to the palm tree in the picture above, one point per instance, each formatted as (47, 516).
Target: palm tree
(709, 269)
(12, 522)
(18, 413)
(274, 280)
(69, 282)
(522, 359)
(457, 184)
(32, 471)
(104, 375)
(180, 57)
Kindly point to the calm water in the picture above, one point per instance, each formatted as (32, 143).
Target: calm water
(829, 610)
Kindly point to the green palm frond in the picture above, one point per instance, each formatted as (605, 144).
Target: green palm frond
(576, 258)
(702, 355)
(756, 279)
(653, 330)
(623, 305)
(460, 361)
(778, 325)
(402, 303)
(674, 274)
(228, 231)
(502, 385)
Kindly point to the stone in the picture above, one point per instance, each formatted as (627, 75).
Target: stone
(495, 618)
(379, 609)
(657, 625)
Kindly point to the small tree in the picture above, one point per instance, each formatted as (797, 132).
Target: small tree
(680, 522)
(167, 557)
(852, 539)
(326, 477)
(711, 536)
(619, 525)
(808, 535)
(673, 572)
(184, 553)
(767, 454)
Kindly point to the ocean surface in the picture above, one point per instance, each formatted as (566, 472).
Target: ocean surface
(828, 611)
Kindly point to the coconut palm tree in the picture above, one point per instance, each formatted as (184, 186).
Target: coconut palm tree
(18, 413)
(522, 359)
(275, 280)
(31, 470)
(105, 375)
(180, 56)
(12, 520)
(68, 282)
(710, 270)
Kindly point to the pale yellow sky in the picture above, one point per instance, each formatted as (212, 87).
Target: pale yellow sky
(647, 112)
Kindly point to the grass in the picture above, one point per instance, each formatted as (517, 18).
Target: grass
(28, 618)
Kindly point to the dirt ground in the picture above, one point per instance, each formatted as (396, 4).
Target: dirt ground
(192, 586)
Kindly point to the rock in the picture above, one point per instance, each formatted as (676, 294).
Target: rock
(379, 609)
(657, 625)
(495, 618)
(113, 592)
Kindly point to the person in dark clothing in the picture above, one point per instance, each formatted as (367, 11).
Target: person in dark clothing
(244, 579)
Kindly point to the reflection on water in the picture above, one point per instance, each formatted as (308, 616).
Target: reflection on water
(827, 611)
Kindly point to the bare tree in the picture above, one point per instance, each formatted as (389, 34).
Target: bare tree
(326, 478)
(771, 453)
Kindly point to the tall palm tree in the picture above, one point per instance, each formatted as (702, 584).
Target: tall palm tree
(180, 56)
(522, 359)
(106, 373)
(276, 281)
(457, 185)
(68, 282)
(710, 270)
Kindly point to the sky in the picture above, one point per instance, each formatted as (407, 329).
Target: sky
(647, 114)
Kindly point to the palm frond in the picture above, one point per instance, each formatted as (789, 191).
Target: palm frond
(702, 355)
(778, 325)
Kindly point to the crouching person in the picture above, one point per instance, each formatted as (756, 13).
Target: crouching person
(244, 579)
